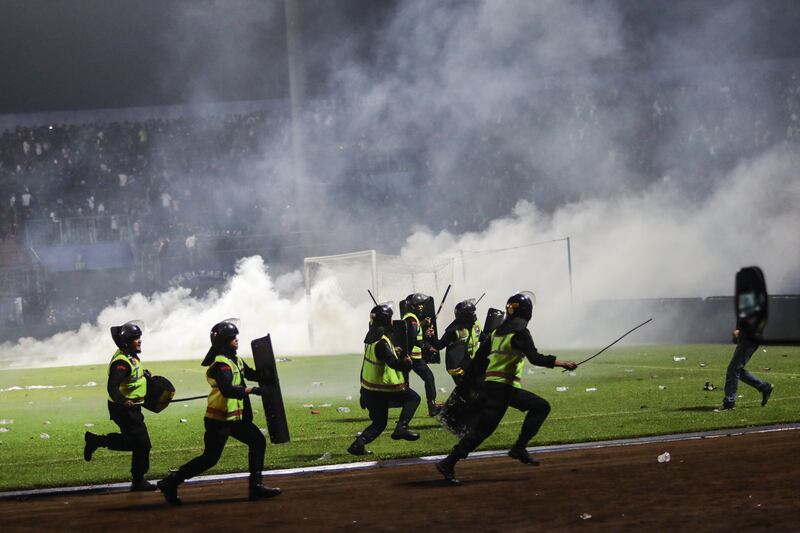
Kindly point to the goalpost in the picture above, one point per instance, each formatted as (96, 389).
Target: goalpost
(389, 277)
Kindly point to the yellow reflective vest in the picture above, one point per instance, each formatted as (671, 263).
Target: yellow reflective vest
(219, 407)
(416, 351)
(505, 362)
(377, 375)
(134, 388)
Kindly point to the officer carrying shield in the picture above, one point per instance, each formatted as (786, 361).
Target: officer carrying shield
(127, 387)
(228, 414)
(416, 328)
(383, 384)
(500, 359)
(461, 339)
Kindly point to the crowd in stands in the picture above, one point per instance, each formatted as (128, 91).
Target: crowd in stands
(162, 184)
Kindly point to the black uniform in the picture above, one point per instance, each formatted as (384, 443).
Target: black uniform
(497, 399)
(218, 431)
(378, 403)
(133, 436)
(420, 366)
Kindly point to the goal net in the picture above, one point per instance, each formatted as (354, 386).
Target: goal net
(389, 277)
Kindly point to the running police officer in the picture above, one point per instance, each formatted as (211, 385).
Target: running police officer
(383, 384)
(501, 358)
(416, 328)
(228, 414)
(127, 386)
(461, 339)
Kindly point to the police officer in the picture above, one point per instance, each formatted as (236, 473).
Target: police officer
(500, 358)
(228, 414)
(383, 384)
(127, 386)
(416, 328)
(461, 337)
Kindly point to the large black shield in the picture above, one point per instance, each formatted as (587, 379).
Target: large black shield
(494, 317)
(751, 295)
(271, 398)
(401, 337)
(461, 408)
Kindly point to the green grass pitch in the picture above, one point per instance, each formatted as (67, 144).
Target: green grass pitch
(626, 392)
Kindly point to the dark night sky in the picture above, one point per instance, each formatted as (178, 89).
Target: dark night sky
(118, 53)
(78, 54)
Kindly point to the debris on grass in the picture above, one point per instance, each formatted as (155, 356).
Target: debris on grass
(709, 386)
(89, 384)
(342, 409)
(183, 420)
(664, 457)
(679, 358)
(4, 430)
(314, 411)
(44, 436)
(88, 425)
(591, 389)
(562, 389)
(324, 457)
(662, 387)
(702, 365)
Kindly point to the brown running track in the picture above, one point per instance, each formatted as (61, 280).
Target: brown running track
(734, 483)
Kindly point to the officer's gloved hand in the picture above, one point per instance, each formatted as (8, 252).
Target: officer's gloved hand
(257, 391)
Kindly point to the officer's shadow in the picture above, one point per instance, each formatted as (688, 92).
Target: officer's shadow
(438, 483)
(162, 504)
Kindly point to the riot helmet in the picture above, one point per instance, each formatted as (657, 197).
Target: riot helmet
(125, 335)
(521, 305)
(221, 336)
(465, 311)
(417, 302)
(224, 332)
(381, 315)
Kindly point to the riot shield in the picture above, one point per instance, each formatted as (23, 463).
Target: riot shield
(428, 319)
(494, 317)
(751, 295)
(160, 392)
(401, 337)
(455, 356)
(461, 408)
(271, 398)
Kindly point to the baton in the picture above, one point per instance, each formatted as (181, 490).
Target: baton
(187, 399)
(613, 343)
(442, 302)
(373, 298)
(479, 299)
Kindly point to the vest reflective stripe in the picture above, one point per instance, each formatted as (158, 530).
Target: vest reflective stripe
(219, 407)
(416, 351)
(505, 362)
(134, 388)
(377, 375)
(470, 337)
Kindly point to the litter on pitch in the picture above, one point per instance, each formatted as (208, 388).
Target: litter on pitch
(342, 409)
(679, 358)
(4, 430)
(44, 436)
(562, 389)
(585, 516)
(664, 457)
(591, 389)
(324, 457)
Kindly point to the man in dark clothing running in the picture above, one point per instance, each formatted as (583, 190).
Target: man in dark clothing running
(500, 359)
(383, 384)
(228, 414)
(127, 387)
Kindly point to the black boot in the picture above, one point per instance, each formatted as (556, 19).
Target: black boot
(520, 453)
(169, 488)
(447, 468)
(258, 491)
(140, 485)
(91, 444)
(402, 432)
(434, 408)
(357, 448)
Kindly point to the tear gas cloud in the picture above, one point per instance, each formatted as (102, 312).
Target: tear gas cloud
(650, 143)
